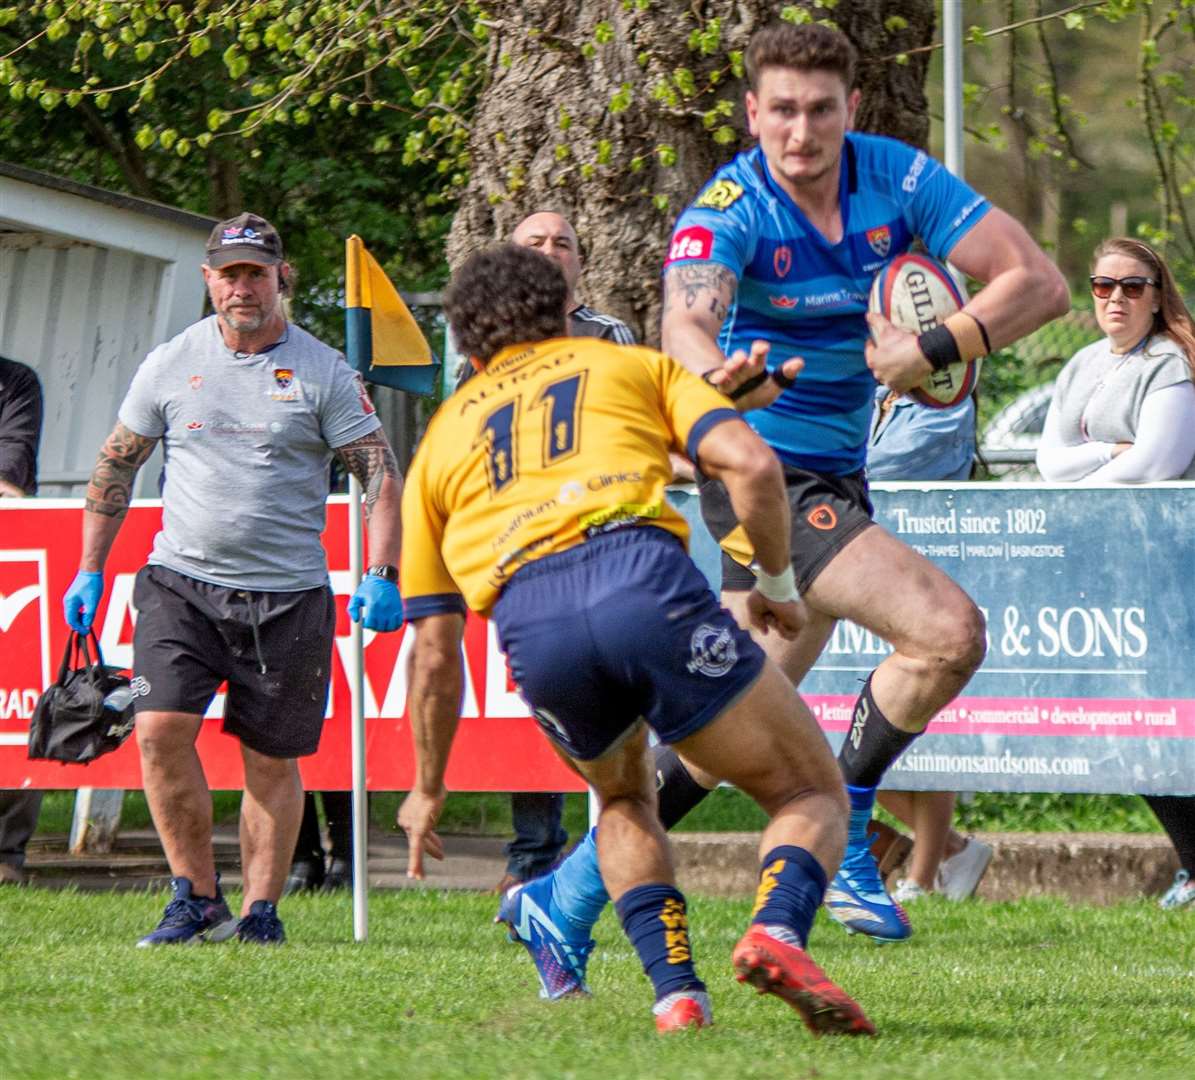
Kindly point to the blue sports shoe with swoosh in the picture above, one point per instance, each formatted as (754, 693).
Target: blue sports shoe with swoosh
(533, 920)
(857, 897)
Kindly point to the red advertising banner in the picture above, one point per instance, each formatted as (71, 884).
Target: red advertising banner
(498, 746)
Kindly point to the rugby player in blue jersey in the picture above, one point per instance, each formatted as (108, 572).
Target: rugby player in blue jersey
(774, 260)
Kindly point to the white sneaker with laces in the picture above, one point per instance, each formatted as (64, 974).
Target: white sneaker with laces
(959, 876)
(1180, 894)
(908, 890)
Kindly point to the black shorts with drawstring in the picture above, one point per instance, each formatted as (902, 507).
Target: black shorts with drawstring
(273, 648)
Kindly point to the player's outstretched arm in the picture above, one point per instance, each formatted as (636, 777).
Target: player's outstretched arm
(733, 453)
(697, 297)
(437, 681)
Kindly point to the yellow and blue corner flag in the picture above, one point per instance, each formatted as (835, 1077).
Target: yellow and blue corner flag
(382, 340)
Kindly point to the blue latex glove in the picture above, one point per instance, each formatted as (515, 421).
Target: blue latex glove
(377, 604)
(81, 600)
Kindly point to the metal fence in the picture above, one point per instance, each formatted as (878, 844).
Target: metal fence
(1021, 380)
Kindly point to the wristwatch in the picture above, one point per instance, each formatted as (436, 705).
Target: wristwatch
(385, 571)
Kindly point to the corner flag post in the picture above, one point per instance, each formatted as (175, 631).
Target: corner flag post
(385, 345)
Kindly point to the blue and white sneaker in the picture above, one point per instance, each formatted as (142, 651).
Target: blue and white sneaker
(1180, 894)
(532, 920)
(857, 898)
(191, 920)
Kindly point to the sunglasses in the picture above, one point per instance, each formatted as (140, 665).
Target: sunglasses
(1132, 287)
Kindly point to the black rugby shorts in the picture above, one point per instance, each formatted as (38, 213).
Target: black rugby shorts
(827, 512)
(192, 636)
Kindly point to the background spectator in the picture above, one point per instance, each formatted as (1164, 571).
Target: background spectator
(909, 441)
(1123, 411)
(20, 431)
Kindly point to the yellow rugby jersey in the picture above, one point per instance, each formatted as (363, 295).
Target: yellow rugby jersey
(554, 442)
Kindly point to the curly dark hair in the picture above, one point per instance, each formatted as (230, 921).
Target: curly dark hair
(809, 47)
(505, 296)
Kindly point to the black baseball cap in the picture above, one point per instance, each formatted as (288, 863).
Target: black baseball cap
(245, 238)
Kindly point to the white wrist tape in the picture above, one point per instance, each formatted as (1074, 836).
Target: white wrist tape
(780, 588)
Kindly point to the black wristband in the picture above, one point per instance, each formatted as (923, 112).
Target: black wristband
(386, 571)
(749, 385)
(939, 347)
(708, 376)
(781, 380)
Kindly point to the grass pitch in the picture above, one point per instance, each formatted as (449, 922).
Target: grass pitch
(1036, 988)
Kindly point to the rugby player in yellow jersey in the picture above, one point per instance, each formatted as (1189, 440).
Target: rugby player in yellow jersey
(537, 498)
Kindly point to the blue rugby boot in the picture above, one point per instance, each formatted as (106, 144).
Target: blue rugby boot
(857, 897)
(190, 920)
(533, 920)
(262, 925)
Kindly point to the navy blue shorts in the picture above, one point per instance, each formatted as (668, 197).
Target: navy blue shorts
(619, 628)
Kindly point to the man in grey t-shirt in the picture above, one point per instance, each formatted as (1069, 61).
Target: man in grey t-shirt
(250, 410)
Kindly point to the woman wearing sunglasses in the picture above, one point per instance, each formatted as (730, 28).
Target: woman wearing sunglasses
(1123, 411)
(1124, 408)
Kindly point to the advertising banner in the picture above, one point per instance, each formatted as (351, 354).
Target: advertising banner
(1087, 685)
(1089, 596)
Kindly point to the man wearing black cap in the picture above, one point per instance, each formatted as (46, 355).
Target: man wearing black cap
(250, 410)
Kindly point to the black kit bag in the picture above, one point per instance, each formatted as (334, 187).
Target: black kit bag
(87, 712)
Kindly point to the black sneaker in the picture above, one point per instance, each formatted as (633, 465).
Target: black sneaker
(262, 925)
(190, 920)
(305, 876)
(339, 876)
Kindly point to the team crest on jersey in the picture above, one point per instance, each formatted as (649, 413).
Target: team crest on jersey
(880, 240)
(713, 650)
(196, 381)
(720, 195)
(782, 260)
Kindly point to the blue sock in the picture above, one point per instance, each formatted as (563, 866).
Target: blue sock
(862, 801)
(577, 886)
(655, 919)
(791, 886)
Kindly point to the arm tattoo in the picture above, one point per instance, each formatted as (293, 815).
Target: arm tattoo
(111, 485)
(703, 287)
(370, 460)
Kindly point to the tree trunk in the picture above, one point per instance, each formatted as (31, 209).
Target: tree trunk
(545, 136)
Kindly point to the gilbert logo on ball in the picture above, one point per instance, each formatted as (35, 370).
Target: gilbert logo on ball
(915, 292)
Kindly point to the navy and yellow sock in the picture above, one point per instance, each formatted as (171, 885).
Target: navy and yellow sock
(655, 919)
(792, 884)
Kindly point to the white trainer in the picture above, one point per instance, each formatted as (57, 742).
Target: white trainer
(1180, 894)
(959, 876)
(908, 890)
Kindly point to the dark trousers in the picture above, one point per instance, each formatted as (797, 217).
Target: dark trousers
(18, 819)
(1177, 815)
(539, 835)
(338, 809)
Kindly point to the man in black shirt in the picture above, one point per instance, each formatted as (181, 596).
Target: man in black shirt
(20, 430)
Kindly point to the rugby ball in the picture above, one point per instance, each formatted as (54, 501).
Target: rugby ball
(915, 292)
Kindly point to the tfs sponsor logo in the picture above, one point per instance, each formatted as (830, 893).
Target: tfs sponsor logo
(695, 242)
(24, 639)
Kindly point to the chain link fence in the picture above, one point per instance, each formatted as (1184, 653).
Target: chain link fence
(1014, 395)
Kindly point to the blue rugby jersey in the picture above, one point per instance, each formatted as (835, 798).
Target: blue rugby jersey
(808, 297)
